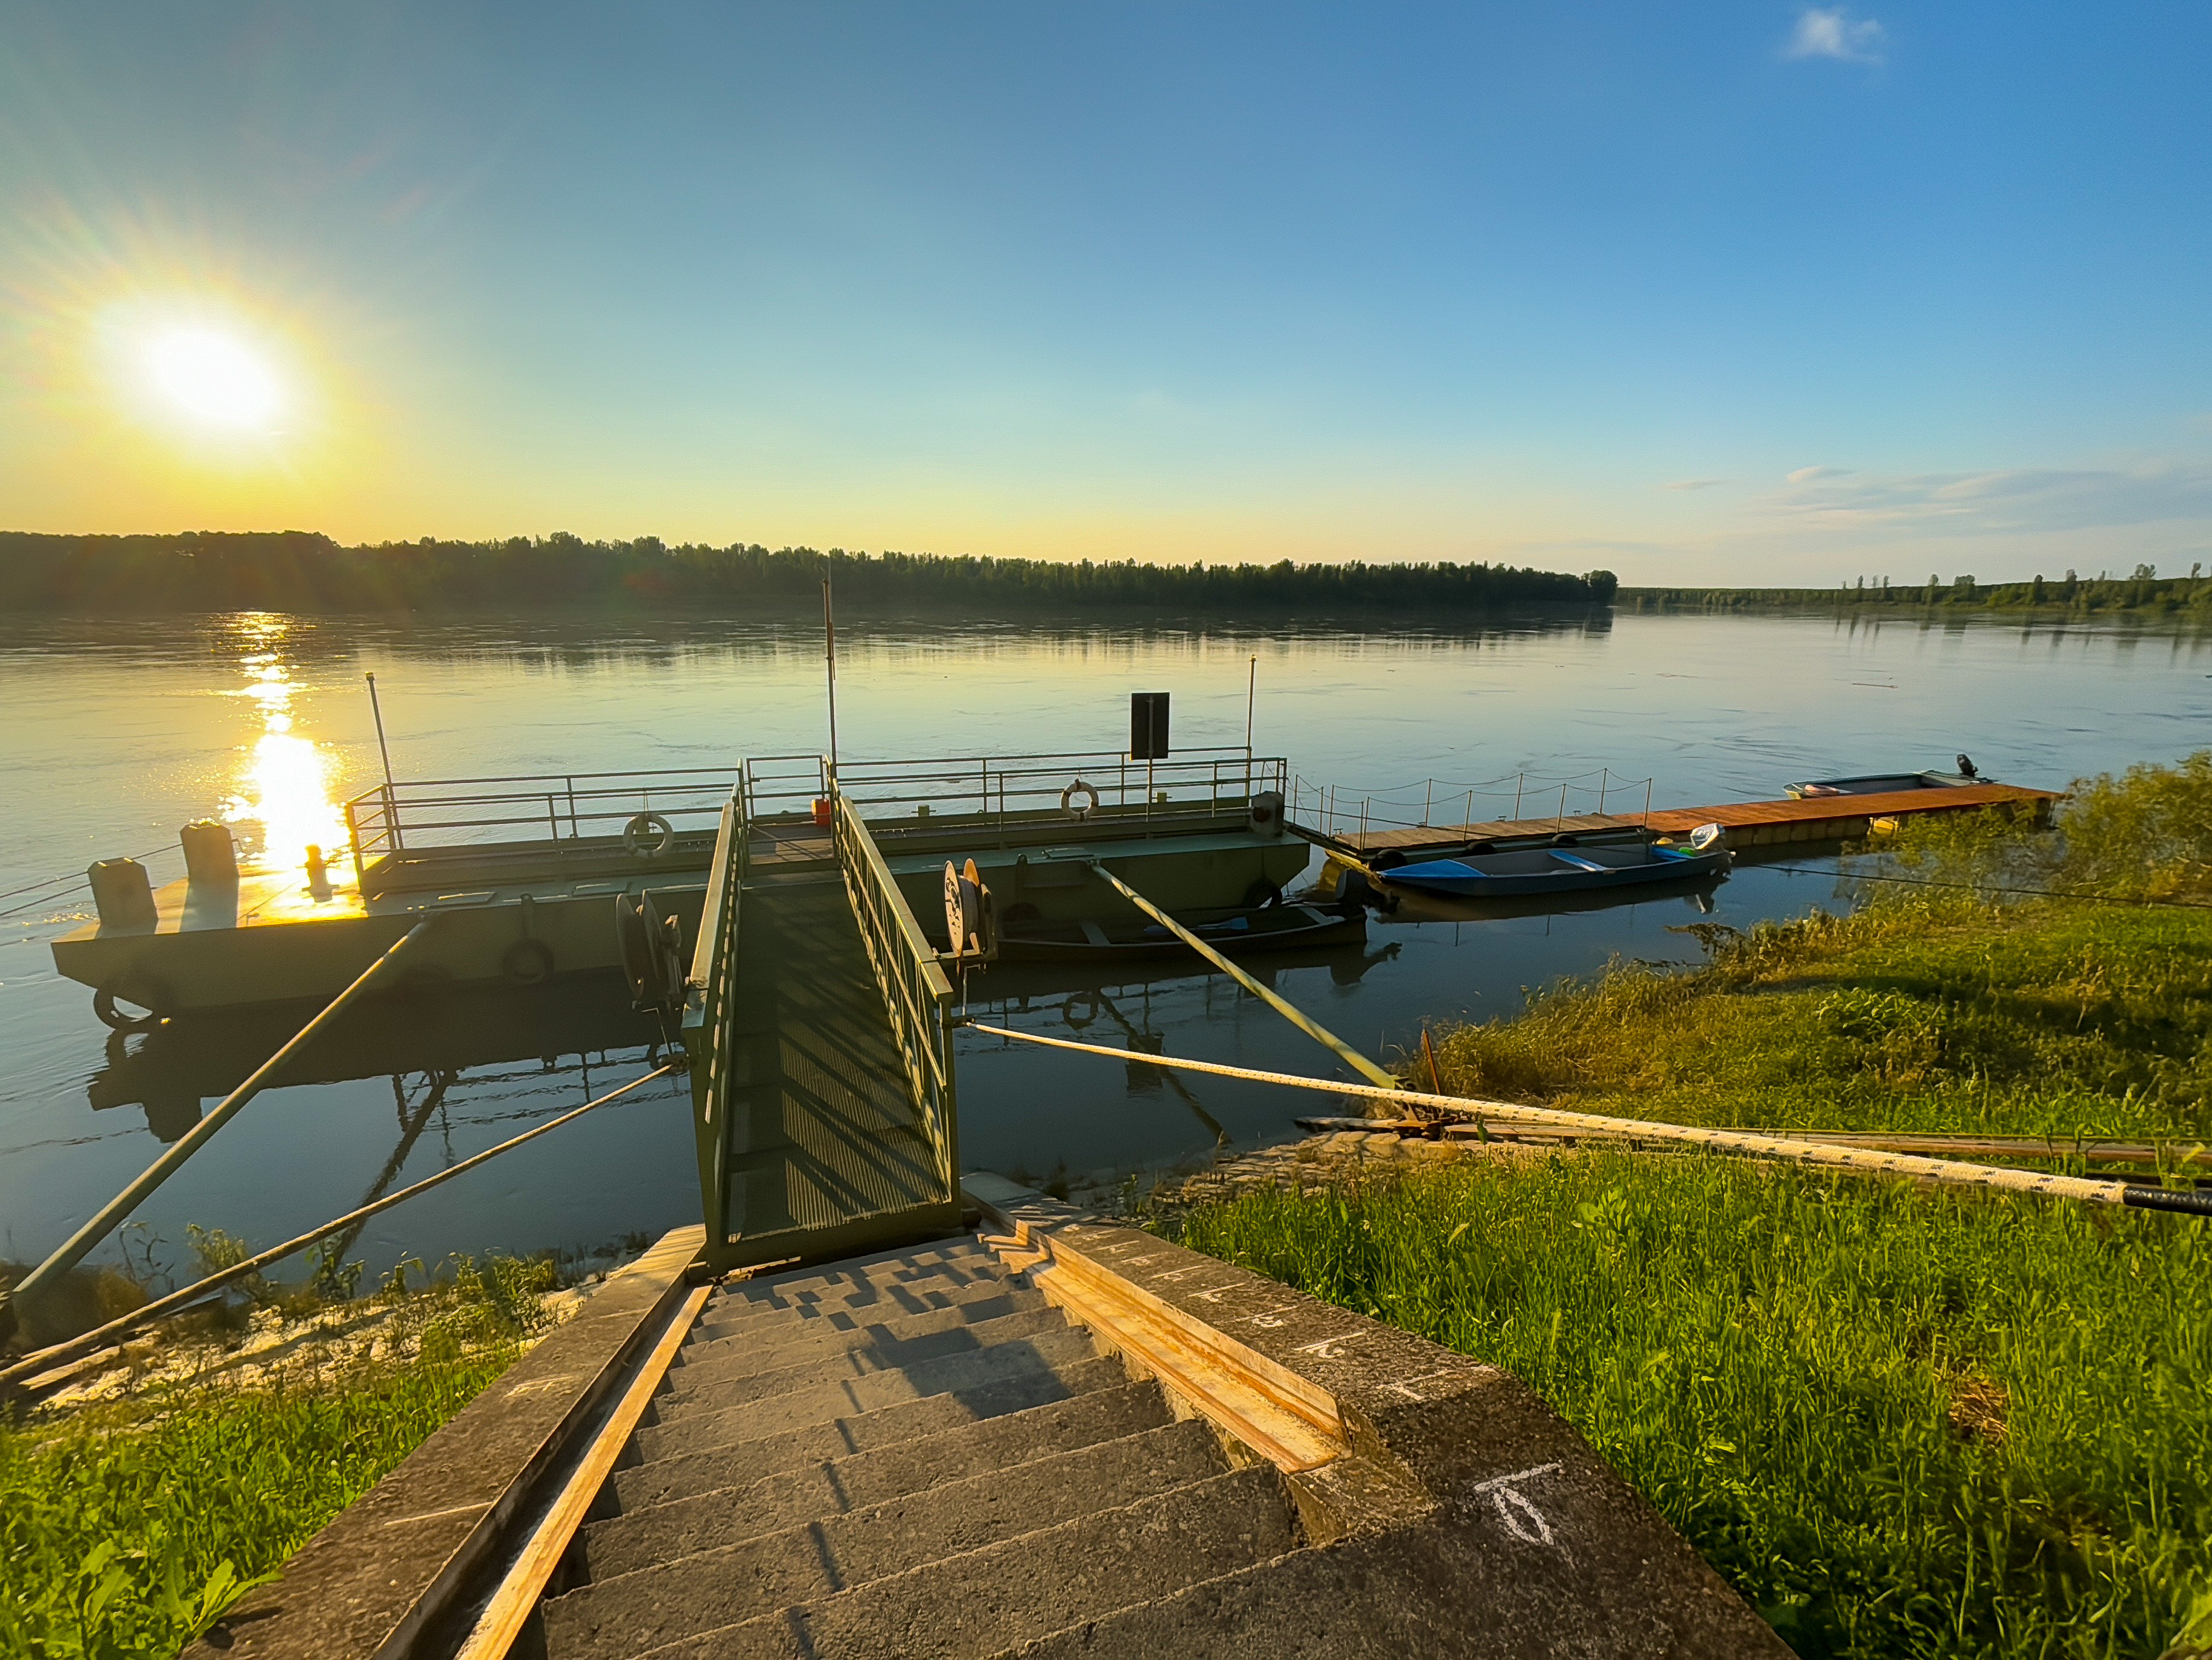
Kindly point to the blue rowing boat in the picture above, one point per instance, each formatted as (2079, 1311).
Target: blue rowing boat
(1564, 864)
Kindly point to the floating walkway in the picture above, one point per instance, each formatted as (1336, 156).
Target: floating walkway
(1745, 824)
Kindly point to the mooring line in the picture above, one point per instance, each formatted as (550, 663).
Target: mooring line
(1955, 1171)
(45, 1359)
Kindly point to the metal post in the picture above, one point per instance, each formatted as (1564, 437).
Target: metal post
(81, 1243)
(573, 832)
(830, 655)
(1470, 810)
(1364, 800)
(1647, 802)
(1428, 801)
(1604, 774)
(391, 797)
(1562, 819)
(1251, 695)
(1519, 779)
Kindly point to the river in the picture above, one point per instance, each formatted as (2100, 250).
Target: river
(114, 734)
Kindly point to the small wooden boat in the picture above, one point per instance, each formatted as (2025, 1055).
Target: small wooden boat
(1235, 932)
(1564, 864)
(1885, 783)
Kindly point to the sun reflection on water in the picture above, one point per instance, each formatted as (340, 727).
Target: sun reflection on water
(286, 787)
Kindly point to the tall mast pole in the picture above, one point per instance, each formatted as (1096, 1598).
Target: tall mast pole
(390, 799)
(829, 653)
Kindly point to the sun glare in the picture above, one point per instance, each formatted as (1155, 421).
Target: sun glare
(214, 379)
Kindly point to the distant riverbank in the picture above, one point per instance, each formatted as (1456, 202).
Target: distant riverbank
(306, 572)
(2143, 595)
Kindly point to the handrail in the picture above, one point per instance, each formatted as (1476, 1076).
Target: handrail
(917, 995)
(710, 1012)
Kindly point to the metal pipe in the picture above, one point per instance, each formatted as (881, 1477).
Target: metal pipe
(391, 795)
(829, 655)
(1289, 1011)
(33, 1364)
(2096, 1191)
(81, 1243)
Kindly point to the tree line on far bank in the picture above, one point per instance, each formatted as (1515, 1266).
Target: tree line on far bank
(2142, 592)
(306, 572)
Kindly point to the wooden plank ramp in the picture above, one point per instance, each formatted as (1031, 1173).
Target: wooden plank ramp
(1746, 824)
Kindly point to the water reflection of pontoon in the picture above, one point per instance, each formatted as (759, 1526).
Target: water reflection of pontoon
(172, 1069)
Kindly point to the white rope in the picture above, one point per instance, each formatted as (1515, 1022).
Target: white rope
(1957, 1172)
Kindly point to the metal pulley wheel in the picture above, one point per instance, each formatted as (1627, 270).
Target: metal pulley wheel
(651, 952)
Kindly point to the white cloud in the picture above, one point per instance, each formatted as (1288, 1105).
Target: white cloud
(2016, 501)
(1693, 483)
(1832, 32)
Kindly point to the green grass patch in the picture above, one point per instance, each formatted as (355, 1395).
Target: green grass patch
(127, 1527)
(1901, 1421)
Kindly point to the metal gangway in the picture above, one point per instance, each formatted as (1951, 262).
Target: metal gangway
(819, 1027)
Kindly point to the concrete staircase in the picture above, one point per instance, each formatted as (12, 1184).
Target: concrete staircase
(913, 1454)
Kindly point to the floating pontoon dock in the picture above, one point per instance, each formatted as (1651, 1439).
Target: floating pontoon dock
(1745, 824)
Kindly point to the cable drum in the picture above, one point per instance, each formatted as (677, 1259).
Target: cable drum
(645, 824)
(651, 952)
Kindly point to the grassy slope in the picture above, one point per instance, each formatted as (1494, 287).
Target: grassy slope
(1900, 1422)
(127, 1528)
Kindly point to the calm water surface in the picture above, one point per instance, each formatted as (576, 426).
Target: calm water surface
(113, 736)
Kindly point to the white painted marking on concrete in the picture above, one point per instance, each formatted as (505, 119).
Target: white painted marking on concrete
(1329, 1348)
(1514, 1508)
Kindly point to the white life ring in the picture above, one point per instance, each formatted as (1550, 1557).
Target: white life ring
(634, 835)
(1067, 800)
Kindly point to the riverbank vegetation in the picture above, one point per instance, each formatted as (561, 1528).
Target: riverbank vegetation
(2142, 594)
(1901, 1421)
(137, 1508)
(298, 571)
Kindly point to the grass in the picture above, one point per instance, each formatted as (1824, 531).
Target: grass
(128, 1527)
(1901, 1422)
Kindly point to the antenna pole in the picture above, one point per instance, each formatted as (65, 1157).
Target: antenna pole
(1251, 692)
(829, 653)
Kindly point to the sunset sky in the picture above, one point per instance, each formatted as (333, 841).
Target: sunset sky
(1742, 293)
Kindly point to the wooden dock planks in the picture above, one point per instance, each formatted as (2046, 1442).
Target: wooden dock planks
(1747, 824)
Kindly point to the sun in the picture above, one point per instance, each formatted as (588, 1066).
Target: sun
(213, 379)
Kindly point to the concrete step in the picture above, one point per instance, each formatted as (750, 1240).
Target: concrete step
(907, 1297)
(727, 1379)
(949, 1262)
(830, 1436)
(766, 1346)
(827, 1398)
(678, 1507)
(735, 1582)
(991, 1599)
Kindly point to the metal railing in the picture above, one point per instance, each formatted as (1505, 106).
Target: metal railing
(564, 807)
(917, 995)
(995, 787)
(710, 1012)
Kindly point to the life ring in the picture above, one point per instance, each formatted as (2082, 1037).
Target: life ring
(1067, 800)
(151, 995)
(1088, 1001)
(528, 963)
(635, 831)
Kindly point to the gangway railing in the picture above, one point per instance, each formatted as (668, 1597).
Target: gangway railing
(710, 1011)
(917, 995)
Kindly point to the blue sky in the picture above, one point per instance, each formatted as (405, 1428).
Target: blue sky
(1737, 293)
